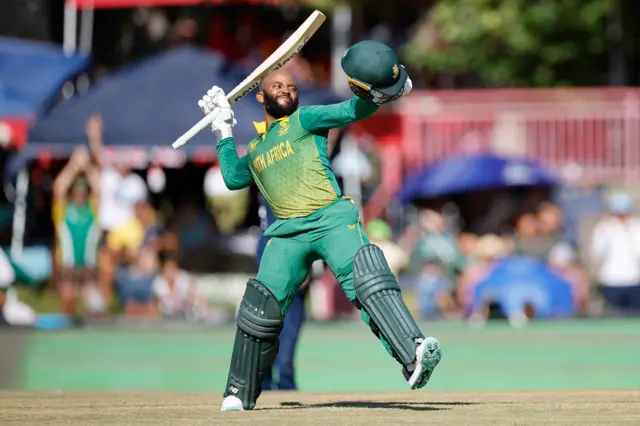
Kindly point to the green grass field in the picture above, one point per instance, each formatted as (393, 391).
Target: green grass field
(341, 357)
(573, 373)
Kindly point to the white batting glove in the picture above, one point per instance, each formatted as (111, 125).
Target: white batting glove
(216, 101)
(379, 99)
(408, 87)
(219, 97)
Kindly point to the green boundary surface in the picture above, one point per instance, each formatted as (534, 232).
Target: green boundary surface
(341, 357)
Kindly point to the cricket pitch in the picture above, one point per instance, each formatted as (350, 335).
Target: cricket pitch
(586, 407)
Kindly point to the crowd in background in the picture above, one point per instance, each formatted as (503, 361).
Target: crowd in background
(113, 249)
(117, 247)
(132, 254)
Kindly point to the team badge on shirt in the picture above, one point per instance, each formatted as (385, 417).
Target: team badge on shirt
(284, 128)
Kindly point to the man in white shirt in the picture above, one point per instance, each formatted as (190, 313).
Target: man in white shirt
(615, 251)
(115, 209)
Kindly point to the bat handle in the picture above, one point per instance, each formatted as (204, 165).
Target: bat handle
(200, 125)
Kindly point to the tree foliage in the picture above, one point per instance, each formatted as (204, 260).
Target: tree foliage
(514, 42)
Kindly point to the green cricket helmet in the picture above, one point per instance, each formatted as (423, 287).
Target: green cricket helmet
(374, 71)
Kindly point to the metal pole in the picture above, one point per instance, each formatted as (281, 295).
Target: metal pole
(70, 27)
(20, 213)
(86, 29)
(617, 57)
(340, 40)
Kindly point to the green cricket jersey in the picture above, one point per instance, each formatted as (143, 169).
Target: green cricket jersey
(289, 161)
(78, 233)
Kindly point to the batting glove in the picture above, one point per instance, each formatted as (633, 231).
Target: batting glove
(216, 101)
(408, 87)
(379, 98)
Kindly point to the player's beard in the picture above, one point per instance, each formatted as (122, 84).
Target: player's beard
(275, 110)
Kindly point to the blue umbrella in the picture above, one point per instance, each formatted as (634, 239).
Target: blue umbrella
(464, 174)
(146, 104)
(517, 281)
(32, 73)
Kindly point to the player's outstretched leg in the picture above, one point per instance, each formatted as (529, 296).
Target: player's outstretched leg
(378, 292)
(256, 345)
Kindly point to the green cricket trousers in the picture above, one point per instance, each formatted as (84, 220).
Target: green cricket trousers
(333, 234)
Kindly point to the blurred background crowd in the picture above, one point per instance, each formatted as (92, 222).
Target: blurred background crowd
(504, 186)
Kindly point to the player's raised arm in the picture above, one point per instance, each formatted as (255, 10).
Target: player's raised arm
(375, 76)
(321, 117)
(235, 170)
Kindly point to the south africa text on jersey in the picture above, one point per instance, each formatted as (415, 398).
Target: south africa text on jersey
(272, 156)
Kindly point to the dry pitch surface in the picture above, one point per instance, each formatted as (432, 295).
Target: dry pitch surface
(591, 407)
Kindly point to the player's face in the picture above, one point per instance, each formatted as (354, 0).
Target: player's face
(280, 96)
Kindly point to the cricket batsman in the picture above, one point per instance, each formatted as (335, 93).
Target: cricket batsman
(289, 163)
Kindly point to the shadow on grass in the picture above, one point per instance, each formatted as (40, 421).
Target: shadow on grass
(413, 406)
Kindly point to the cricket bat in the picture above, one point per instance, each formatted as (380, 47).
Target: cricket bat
(281, 56)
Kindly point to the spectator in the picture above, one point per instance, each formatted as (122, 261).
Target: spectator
(550, 225)
(134, 247)
(193, 227)
(615, 251)
(581, 200)
(352, 167)
(134, 283)
(432, 242)
(175, 293)
(141, 227)
(229, 208)
(529, 240)
(488, 250)
(76, 192)
(549, 221)
(114, 212)
(436, 257)
(562, 261)
(516, 301)
(467, 243)
(379, 233)
(434, 293)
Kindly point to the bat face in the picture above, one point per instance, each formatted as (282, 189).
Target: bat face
(291, 47)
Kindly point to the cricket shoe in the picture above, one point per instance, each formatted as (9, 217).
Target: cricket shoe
(232, 403)
(427, 358)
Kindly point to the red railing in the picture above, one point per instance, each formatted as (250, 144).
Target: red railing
(597, 130)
